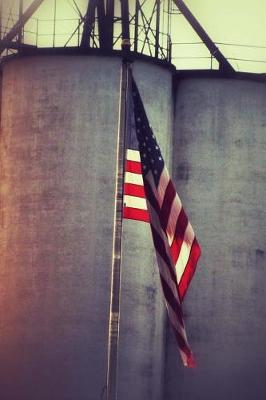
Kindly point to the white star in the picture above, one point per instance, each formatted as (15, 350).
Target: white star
(144, 167)
(156, 147)
(160, 158)
(149, 149)
(152, 161)
(155, 172)
(138, 119)
(144, 155)
(144, 144)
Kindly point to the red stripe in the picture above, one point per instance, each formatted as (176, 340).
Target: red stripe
(190, 269)
(134, 190)
(169, 196)
(160, 249)
(180, 229)
(151, 197)
(133, 166)
(172, 301)
(136, 213)
(176, 307)
(185, 348)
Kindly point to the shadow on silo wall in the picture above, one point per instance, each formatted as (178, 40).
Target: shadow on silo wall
(219, 170)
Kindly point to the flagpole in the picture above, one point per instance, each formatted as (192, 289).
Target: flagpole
(114, 316)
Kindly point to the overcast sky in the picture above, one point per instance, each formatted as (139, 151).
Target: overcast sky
(235, 21)
(239, 22)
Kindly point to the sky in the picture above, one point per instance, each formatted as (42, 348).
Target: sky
(237, 22)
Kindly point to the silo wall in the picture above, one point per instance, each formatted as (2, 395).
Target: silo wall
(219, 153)
(58, 160)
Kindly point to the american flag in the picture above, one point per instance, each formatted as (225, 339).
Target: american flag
(150, 196)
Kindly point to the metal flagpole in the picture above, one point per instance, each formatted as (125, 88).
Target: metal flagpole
(114, 317)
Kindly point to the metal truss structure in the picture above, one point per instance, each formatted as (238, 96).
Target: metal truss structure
(138, 22)
(143, 26)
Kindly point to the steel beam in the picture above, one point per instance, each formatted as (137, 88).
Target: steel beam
(136, 32)
(213, 49)
(109, 23)
(101, 23)
(158, 3)
(88, 23)
(125, 19)
(15, 30)
(20, 34)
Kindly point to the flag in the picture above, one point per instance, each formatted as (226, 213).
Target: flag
(150, 196)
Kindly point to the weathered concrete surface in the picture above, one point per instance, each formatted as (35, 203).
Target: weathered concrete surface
(58, 155)
(141, 357)
(219, 169)
(57, 174)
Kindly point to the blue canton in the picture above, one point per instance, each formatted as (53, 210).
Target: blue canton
(150, 153)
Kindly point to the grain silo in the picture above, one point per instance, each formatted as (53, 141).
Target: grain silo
(58, 147)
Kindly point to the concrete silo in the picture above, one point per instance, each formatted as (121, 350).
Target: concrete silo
(59, 132)
(219, 169)
(58, 161)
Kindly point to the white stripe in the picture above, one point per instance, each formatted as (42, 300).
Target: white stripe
(135, 202)
(163, 182)
(184, 252)
(136, 179)
(180, 329)
(174, 320)
(133, 155)
(187, 241)
(156, 224)
(155, 218)
(164, 269)
(173, 217)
